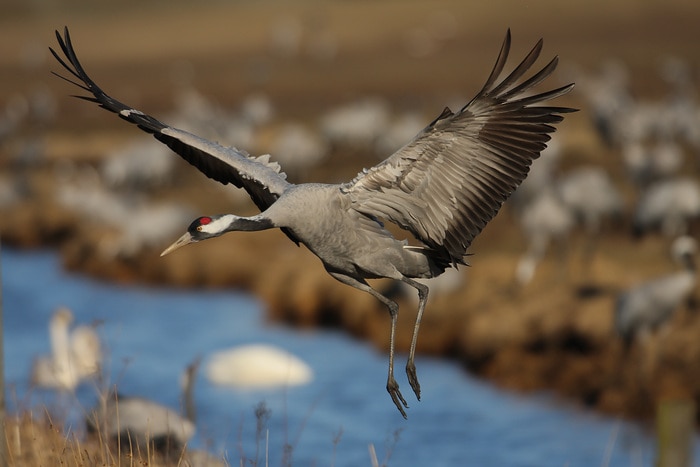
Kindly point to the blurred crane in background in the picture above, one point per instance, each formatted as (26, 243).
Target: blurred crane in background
(137, 424)
(544, 220)
(647, 306)
(668, 207)
(584, 196)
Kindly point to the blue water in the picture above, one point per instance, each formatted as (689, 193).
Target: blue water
(150, 334)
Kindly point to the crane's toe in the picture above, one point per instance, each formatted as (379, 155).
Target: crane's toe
(393, 387)
(413, 378)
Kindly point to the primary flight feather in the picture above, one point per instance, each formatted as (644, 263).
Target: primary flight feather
(444, 186)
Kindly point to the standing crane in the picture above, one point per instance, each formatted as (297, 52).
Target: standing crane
(139, 424)
(444, 186)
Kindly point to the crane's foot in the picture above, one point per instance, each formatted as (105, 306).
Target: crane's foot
(393, 387)
(413, 378)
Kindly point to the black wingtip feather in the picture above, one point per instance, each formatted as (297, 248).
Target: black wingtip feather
(500, 63)
(524, 65)
(98, 96)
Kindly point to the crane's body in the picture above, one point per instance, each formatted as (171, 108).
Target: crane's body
(652, 303)
(348, 242)
(443, 187)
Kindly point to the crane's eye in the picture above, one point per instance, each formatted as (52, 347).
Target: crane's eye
(200, 223)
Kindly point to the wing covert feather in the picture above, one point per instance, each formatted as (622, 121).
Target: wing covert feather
(451, 180)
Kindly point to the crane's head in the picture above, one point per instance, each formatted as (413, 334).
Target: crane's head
(200, 229)
(63, 315)
(212, 226)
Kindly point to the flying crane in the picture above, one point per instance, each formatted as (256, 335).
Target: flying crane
(444, 186)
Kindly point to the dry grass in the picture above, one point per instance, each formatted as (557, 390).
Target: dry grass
(39, 441)
(35, 440)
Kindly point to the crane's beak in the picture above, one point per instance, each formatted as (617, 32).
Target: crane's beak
(180, 242)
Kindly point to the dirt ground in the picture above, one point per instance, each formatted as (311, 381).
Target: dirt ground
(418, 55)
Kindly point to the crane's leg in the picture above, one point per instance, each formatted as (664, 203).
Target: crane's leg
(391, 385)
(410, 364)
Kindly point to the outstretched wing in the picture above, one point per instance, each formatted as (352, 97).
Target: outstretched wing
(451, 180)
(261, 178)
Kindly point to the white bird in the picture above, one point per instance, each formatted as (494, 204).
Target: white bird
(609, 98)
(357, 124)
(298, 149)
(545, 219)
(668, 206)
(257, 366)
(137, 423)
(444, 186)
(139, 164)
(257, 109)
(137, 224)
(648, 163)
(146, 228)
(591, 196)
(647, 306)
(75, 355)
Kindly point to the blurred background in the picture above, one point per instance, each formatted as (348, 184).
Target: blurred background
(583, 286)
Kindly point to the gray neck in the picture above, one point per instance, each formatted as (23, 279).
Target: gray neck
(188, 391)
